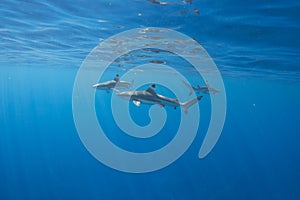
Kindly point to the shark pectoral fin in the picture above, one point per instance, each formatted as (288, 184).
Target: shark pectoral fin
(116, 90)
(137, 103)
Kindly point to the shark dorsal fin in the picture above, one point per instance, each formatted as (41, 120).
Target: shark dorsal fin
(151, 89)
(206, 83)
(117, 78)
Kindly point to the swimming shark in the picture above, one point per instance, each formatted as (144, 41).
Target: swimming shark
(150, 96)
(114, 84)
(206, 89)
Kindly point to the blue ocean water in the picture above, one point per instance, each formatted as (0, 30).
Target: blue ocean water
(256, 48)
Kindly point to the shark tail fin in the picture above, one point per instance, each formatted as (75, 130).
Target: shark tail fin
(189, 87)
(186, 105)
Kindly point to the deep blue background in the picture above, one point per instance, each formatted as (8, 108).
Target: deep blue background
(255, 45)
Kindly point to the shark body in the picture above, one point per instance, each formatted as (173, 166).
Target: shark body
(115, 84)
(150, 96)
(206, 89)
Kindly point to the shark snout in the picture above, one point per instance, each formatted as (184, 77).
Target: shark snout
(96, 85)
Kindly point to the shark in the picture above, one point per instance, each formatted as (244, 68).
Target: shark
(206, 89)
(115, 84)
(149, 96)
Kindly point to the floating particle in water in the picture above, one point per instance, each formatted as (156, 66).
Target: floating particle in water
(183, 12)
(141, 56)
(102, 21)
(158, 2)
(196, 40)
(157, 61)
(150, 30)
(188, 1)
(136, 70)
(196, 11)
(119, 26)
(154, 50)
(139, 14)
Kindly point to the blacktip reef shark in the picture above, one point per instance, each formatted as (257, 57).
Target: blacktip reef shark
(150, 96)
(206, 89)
(115, 84)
